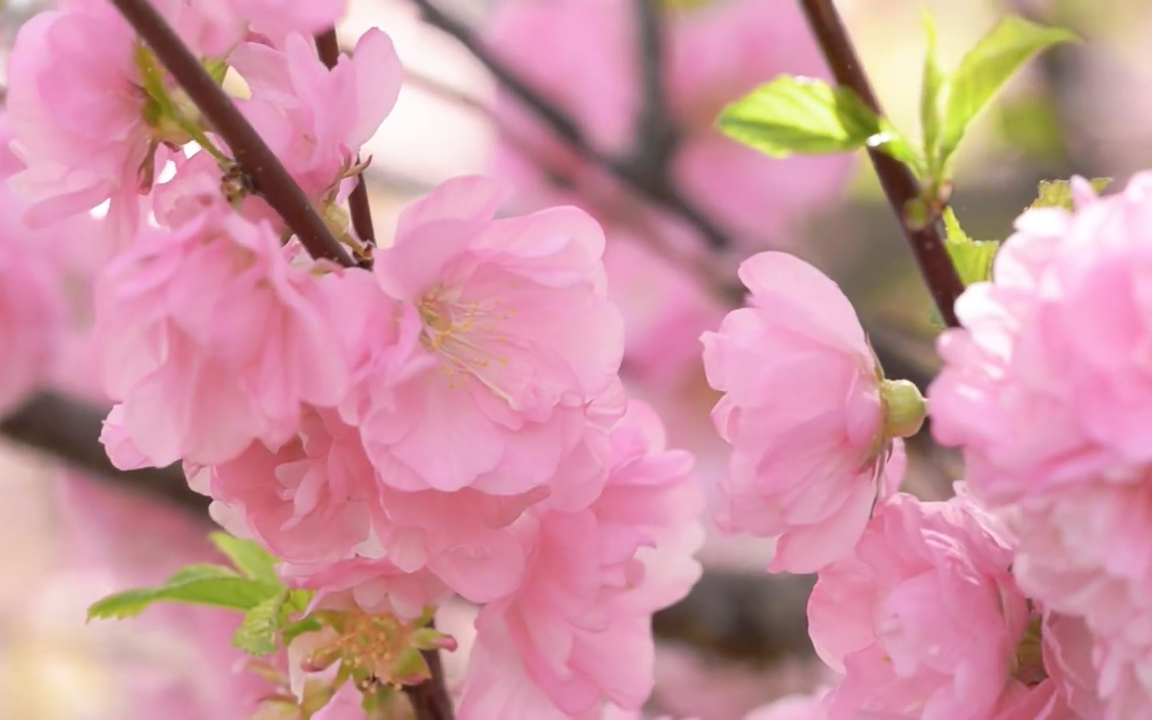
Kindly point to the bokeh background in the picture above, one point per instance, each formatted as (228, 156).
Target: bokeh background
(739, 640)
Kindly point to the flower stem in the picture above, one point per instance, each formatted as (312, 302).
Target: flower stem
(268, 174)
(900, 185)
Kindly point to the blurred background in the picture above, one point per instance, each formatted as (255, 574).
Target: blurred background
(627, 135)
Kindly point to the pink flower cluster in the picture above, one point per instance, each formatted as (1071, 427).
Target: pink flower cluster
(447, 422)
(1046, 389)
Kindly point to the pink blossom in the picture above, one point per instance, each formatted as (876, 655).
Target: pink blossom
(310, 501)
(793, 707)
(316, 118)
(372, 585)
(211, 340)
(1046, 384)
(923, 618)
(509, 339)
(76, 104)
(804, 412)
(577, 631)
(31, 310)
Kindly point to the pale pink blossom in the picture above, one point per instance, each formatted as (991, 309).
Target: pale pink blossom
(804, 412)
(577, 631)
(210, 339)
(373, 586)
(1047, 382)
(316, 118)
(31, 309)
(923, 618)
(508, 347)
(793, 707)
(309, 501)
(76, 104)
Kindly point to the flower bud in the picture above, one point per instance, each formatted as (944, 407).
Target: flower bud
(904, 408)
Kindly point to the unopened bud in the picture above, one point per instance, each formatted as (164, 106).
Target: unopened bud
(904, 408)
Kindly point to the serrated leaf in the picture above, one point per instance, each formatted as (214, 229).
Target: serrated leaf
(930, 90)
(972, 258)
(1058, 193)
(205, 584)
(256, 634)
(249, 558)
(987, 67)
(799, 115)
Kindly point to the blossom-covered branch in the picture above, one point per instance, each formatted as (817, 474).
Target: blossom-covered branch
(900, 185)
(255, 157)
(654, 186)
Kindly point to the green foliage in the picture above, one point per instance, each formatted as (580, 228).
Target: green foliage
(261, 623)
(1058, 193)
(800, 115)
(203, 584)
(972, 258)
(253, 561)
(931, 87)
(984, 70)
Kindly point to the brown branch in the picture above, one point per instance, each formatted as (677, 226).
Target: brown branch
(655, 133)
(656, 187)
(67, 431)
(900, 185)
(328, 48)
(268, 174)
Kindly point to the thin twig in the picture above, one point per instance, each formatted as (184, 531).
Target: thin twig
(655, 132)
(268, 174)
(328, 47)
(655, 187)
(67, 430)
(900, 185)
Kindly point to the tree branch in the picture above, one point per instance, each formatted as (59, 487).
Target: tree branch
(655, 132)
(328, 47)
(67, 431)
(656, 187)
(900, 185)
(268, 174)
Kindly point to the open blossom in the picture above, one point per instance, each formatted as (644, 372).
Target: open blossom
(512, 340)
(1047, 383)
(806, 411)
(210, 339)
(314, 118)
(923, 618)
(577, 631)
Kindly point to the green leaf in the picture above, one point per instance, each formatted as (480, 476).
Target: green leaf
(987, 67)
(257, 632)
(294, 630)
(249, 558)
(890, 141)
(972, 258)
(931, 86)
(799, 115)
(1058, 193)
(195, 584)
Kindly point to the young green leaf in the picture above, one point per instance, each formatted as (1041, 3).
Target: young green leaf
(930, 89)
(890, 141)
(257, 632)
(253, 561)
(195, 584)
(295, 629)
(1058, 193)
(799, 115)
(986, 68)
(972, 258)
